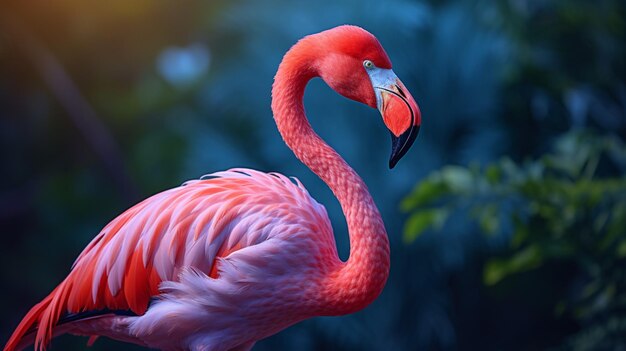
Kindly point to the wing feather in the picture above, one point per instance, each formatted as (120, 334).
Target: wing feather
(188, 227)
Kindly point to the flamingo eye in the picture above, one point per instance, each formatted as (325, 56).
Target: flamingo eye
(368, 64)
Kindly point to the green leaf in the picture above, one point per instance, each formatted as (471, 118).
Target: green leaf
(459, 179)
(498, 269)
(425, 193)
(488, 218)
(510, 169)
(493, 174)
(521, 231)
(621, 249)
(424, 220)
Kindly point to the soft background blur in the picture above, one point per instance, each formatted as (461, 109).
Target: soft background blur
(520, 245)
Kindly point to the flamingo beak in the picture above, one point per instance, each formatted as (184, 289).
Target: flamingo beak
(399, 111)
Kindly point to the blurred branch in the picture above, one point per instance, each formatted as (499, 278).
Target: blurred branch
(78, 109)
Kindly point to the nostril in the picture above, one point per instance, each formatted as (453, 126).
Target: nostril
(400, 91)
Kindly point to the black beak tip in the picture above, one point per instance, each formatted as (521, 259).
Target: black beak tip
(401, 144)
(393, 162)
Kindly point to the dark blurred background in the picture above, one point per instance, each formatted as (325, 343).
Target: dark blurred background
(507, 219)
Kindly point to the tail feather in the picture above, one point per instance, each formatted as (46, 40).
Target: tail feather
(27, 325)
(36, 327)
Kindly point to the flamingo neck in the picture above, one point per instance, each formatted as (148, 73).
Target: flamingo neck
(348, 286)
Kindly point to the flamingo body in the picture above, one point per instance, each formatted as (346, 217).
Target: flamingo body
(220, 263)
(261, 239)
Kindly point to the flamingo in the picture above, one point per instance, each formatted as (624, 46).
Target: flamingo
(222, 262)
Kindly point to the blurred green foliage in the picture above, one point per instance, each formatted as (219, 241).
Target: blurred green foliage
(567, 208)
(554, 227)
(557, 208)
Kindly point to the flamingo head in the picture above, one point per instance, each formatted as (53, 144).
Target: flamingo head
(354, 64)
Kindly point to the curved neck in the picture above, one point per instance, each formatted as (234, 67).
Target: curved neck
(352, 285)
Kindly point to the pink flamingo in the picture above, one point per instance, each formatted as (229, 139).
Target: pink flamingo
(220, 263)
